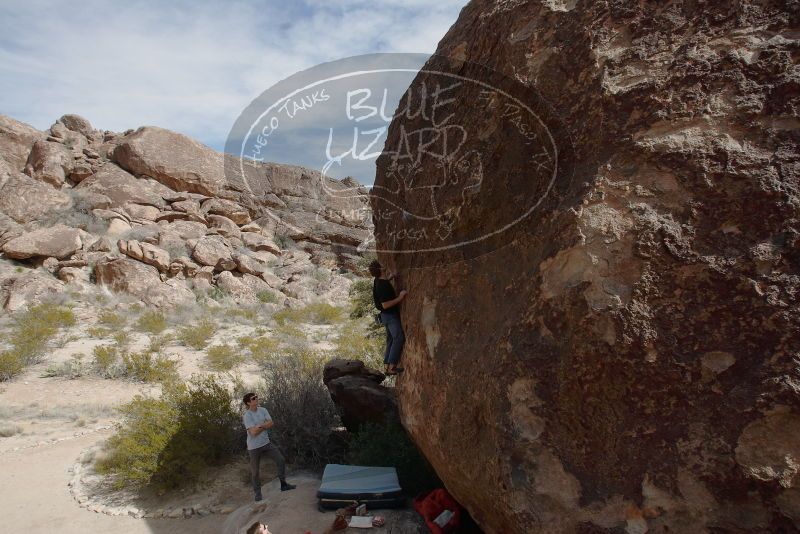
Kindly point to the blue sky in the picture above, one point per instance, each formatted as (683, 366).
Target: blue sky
(189, 66)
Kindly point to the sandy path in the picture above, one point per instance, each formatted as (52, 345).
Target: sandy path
(35, 497)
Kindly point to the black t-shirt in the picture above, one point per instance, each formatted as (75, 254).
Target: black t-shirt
(383, 291)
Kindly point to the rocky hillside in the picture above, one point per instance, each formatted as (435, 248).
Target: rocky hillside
(159, 216)
(627, 359)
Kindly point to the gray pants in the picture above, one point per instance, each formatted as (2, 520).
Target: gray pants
(255, 464)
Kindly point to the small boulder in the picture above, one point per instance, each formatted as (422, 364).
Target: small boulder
(259, 242)
(209, 250)
(76, 123)
(49, 162)
(29, 289)
(227, 208)
(147, 253)
(224, 226)
(358, 393)
(58, 241)
(73, 274)
(141, 211)
(248, 265)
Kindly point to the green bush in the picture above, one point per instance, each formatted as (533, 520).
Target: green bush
(247, 314)
(105, 362)
(301, 407)
(12, 362)
(262, 349)
(168, 442)
(223, 357)
(361, 301)
(197, 336)
(111, 319)
(356, 342)
(315, 313)
(268, 297)
(122, 338)
(158, 343)
(149, 367)
(31, 333)
(99, 332)
(152, 322)
(389, 445)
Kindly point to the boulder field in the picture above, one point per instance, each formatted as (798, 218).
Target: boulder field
(165, 219)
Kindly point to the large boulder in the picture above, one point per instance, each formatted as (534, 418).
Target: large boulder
(122, 187)
(49, 162)
(141, 281)
(624, 357)
(56, 241)
(26, 200)
(16, 141)
(177, 161)
(9, 229)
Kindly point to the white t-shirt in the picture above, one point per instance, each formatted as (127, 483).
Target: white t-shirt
(251, 419)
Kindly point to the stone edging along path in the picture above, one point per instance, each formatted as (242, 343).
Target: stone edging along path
(77, 488)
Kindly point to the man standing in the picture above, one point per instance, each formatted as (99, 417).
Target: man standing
(257, 421)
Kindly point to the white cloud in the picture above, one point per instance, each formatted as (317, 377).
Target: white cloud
(191, 67)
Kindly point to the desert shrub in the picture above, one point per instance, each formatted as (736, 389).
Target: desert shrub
(158, 343)
(99, 332)
(111, 319)
(122, 338)
(314, 313)
(321, 276)
(217, 293)
(105, 361)
(266, 296)
(197, 336)
(78, 215)
(361, 302)
(247, 314)
(149, 367)
(12, 362)
(31, 332)
(152, 322)
(71, 369)
(175, 248)
(261, 349)
(9, 429)
(363, 262)
(301, 407)
(356, 342)
(284, 241)
(289, 331)
(389, 445)
(168, 442)
(223, 357)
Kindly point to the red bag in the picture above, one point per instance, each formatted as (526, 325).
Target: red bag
(440, 511)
